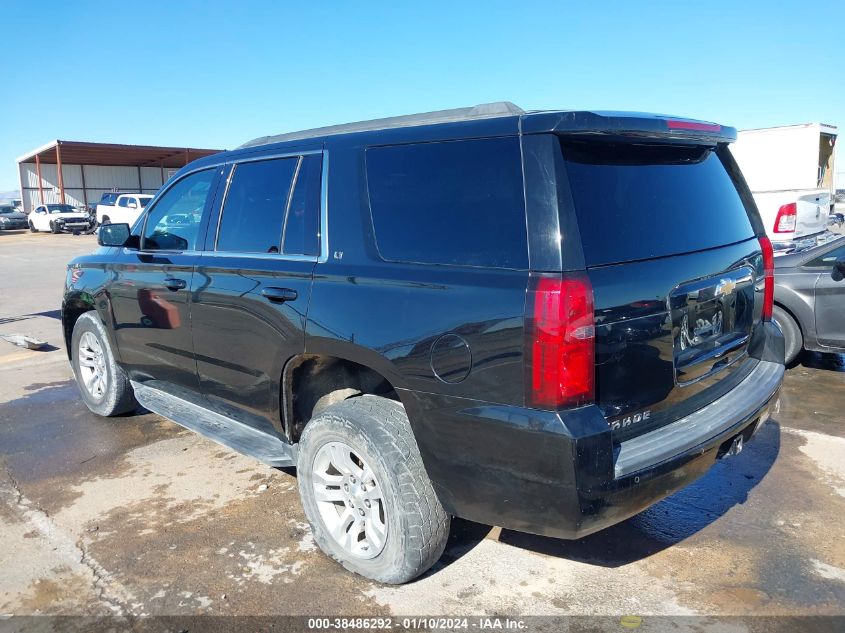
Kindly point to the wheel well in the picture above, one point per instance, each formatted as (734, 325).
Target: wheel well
(313, 382)
(71, 311)
(792, 315)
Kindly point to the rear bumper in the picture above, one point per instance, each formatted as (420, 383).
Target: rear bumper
(559, 473)
(804, 242)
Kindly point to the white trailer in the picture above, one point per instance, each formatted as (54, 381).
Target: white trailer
(790, 170)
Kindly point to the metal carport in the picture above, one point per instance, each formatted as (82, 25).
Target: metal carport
(77, 172)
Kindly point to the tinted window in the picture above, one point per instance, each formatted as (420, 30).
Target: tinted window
(173, 223)
(301, 234)
(123, 202)
(255, 206)
(826, 261)
(638, 201)
(449, 203)
(144, 202)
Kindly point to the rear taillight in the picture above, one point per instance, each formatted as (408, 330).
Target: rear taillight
(560, 341)
(768, 278)
(786, 218)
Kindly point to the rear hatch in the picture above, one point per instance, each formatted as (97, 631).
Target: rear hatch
(674, 262)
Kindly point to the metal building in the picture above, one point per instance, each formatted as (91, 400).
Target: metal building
(78, 173)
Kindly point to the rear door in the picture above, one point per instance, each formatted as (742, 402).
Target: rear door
(830, 300)
(674, 263)
(253, 284)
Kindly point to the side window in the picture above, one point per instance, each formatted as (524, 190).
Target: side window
(123, 202)
(255, 204)
(301, 234)
(457, 202)
(173, 223)
(826, 260)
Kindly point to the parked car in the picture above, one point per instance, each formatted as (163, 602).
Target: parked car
(437, 315)
(126, 208)
(57, 218)
(810, 299)
(11, 218)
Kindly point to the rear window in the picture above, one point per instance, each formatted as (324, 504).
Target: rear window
(457, 202)
(639, 201)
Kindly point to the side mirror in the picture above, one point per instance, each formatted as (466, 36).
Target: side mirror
(113, 235)
(838, 272)
(133, 205)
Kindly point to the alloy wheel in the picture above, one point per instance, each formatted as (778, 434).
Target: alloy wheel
(349, 499)
(92, 366)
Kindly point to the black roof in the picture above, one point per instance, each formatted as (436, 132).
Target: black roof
(490, 119)
(560, 121)
(473, 113)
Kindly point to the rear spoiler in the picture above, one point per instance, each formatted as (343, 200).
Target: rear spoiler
(628, 124)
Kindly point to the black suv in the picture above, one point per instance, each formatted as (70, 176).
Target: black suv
(545, 321)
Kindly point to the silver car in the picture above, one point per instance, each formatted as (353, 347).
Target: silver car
(810, 299)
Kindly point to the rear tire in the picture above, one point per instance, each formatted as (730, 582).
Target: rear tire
(405, 529)
(104, 386)
(793, 341)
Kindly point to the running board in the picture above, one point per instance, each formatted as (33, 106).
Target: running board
(219, 428)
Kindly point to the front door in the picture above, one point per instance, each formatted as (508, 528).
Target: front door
(150, 294)
(252, 285)
(830, 301)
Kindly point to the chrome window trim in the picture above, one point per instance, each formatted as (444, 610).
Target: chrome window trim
(223, 203)
(324, 209)
(293, 184)
(248, 255)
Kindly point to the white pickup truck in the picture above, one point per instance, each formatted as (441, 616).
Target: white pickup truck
(126, 208)
(790, 172)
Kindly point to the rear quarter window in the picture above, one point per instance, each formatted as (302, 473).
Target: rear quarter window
(641, 201)
(457, 202)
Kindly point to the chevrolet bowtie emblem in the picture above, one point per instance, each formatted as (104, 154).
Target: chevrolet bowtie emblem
(725, 287)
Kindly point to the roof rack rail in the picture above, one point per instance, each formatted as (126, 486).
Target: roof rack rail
(481, 111)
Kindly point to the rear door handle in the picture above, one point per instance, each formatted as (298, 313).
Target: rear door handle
(279, 295)
(171, 283)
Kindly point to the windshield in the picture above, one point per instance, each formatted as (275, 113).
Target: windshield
(7, 209)
(61, 208)
(109, 198)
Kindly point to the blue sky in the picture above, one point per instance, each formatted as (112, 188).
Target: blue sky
(215, 74)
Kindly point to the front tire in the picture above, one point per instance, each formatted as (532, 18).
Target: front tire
(104, 386)
(32, 228)
(793, 341)
(365, 491)
(54, 228)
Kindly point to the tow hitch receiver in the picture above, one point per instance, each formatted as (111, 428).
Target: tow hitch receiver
(735, 447)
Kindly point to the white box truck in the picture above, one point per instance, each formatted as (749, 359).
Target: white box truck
(790, 170)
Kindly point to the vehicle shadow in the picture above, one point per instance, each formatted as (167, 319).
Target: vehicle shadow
(666, 523)
(821, 360)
